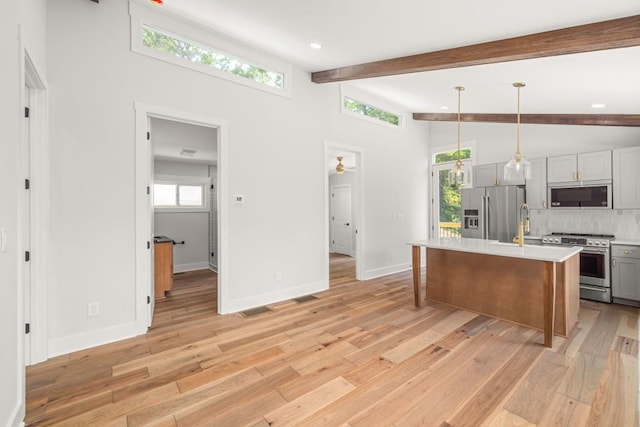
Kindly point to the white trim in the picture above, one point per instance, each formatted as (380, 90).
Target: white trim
(330, 146)
(279, 295)
(385, 271)
(143, 212)
(71, 343)
(39, 135)
(364, 97)
(182, 268)
(191, 31)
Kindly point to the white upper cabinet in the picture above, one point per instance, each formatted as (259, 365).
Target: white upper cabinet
(491, 175)
(594, 166)
(537, 186)
(626, 178)
(581, 167)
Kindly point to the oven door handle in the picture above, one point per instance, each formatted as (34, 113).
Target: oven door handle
(593, 288)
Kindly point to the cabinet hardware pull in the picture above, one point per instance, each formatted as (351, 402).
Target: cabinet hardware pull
(626, 252)
(613, 262)
(579, 176)
(544, 204)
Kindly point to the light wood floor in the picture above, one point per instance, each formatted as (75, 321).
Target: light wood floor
(359, 354)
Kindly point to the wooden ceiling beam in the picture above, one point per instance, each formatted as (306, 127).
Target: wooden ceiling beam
(632, 120)
(612, 34)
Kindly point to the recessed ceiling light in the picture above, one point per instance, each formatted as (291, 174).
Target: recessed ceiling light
(598, 105)
(315, 45)
(444, 107)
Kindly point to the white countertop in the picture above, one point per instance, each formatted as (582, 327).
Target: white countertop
(625, 242)
(493, 247)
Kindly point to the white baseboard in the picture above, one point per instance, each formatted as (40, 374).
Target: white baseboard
(385, 271)
(69, 344)
(190, 267)
(271, 297)
(213, 267)
(17, 415)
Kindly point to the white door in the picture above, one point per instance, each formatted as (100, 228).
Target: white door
(25, 219)
(341, 221)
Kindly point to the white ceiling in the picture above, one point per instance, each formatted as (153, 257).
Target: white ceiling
(171, 137)
(357, 31)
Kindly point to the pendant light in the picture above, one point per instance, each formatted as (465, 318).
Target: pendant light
(456, 175)
(518, 167)
(339, 166)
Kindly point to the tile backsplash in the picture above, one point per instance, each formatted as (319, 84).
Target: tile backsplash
(621, 223)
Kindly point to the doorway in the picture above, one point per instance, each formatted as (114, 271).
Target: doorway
(344, 226)
(145, 231)
(34, 214)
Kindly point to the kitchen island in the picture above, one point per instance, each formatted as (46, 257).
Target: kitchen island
(534, 286)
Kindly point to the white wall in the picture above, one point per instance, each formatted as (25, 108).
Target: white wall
(21, 26)
(192, 228)
(279, 227)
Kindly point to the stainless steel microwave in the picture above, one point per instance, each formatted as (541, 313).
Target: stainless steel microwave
(588, 196)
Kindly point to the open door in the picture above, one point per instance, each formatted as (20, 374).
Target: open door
(150, 230)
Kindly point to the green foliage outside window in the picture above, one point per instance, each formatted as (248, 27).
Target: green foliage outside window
(452, 156)
(449, 199)
(191, 51)
(371, 111)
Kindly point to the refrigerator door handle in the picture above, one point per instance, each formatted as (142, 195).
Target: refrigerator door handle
(485, 215)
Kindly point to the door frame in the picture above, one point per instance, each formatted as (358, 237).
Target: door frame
(38, 222)
(330, 146)
(143, 179)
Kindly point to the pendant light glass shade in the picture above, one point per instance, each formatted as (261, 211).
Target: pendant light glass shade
(339, 166)
(518, 167)
(456, 175)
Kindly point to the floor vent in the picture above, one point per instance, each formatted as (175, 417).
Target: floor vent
(255, 311)
(305, 298)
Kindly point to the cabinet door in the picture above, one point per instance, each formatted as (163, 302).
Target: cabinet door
(625, 278)
(626, 178)
(484, 175)
(537, 185)
(562, 168)
(500, 175)
(594, 166)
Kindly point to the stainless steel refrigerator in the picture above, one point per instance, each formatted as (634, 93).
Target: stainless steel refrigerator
(491, 212)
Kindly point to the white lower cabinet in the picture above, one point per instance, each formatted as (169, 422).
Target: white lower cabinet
(625, 273)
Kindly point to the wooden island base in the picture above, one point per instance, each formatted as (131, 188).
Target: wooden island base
(539, 294)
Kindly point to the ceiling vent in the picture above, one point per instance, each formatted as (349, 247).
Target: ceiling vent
(186, 152)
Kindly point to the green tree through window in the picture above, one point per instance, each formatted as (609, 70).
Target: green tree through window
(371, 111)
(191, 51)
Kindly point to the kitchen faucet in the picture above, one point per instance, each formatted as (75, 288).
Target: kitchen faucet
(523, 227)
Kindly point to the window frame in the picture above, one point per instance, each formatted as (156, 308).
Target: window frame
(195, 34)
(203, 182)
(346, 111)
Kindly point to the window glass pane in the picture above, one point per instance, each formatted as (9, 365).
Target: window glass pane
(164, 194)
(188, 50)
(452, 156)
(190, 195)
(371, 111)
(449, 206)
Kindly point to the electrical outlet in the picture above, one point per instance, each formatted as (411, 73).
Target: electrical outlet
(278, 274)
(93, 309)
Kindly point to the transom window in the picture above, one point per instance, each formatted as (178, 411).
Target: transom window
(371, 111)
(181, 50)
(452, 156)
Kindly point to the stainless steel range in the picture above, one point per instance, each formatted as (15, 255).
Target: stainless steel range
(595, 262)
